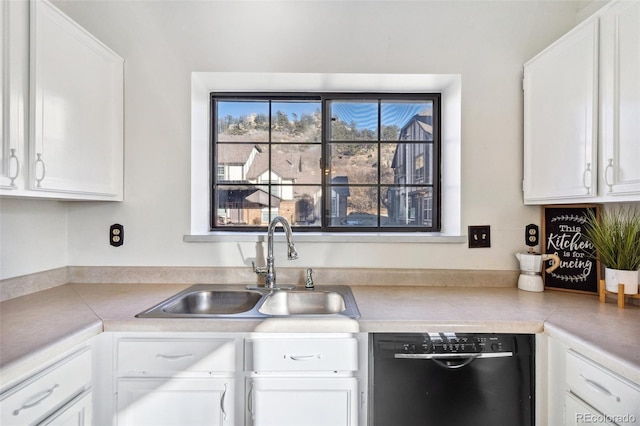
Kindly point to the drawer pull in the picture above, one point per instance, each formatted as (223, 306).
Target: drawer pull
(36, 399)
(302, 357)
(599, 388)
(174, 357)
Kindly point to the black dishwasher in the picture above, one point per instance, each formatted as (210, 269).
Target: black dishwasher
(452, 379)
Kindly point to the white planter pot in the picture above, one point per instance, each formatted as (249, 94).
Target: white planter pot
(630, 279)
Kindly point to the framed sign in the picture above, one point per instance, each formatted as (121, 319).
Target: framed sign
(562, 234)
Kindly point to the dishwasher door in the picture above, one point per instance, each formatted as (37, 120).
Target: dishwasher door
(461, 389)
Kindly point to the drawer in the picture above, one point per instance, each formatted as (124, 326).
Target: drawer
(302, 355)
(578, 413)
(602, 389)
(137, 357)
(47, 391)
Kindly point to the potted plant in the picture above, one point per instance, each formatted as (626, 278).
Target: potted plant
(616, 238)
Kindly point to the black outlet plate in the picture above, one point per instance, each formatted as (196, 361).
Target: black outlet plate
(479, 236)
(116, 235)
(532, 235)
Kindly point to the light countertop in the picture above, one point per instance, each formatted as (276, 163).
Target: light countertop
(32, 325)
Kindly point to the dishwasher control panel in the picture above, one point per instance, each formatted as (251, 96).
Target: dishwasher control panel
(443, 343)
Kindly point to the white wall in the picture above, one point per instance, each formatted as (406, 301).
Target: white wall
(34, 236)
(164, 41)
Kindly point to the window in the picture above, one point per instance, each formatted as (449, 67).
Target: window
(326, 161)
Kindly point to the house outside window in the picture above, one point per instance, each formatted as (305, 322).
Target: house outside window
(328, 162)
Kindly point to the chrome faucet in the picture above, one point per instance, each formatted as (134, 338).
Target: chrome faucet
(269, 271)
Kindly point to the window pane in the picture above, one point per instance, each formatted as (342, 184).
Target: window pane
(407, 120)
(355, 206)
(242, 205)
(242, 121)
(388, 167)
(296, 121)
(411, 164)
(235, 159)
(295, 163)
(408, 206)
(358, 162)
(353, 121)
(306, 206)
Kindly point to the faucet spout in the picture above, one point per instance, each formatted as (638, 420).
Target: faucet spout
(270, 276)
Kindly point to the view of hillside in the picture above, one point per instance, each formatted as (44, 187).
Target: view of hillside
(357, 160)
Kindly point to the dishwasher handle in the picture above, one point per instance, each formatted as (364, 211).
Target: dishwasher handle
(456, 355)
(454, 361)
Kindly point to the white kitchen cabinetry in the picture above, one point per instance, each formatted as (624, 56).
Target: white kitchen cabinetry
(15, 90)
(74, 148)
(176, 381)
(560, 118)
(613, 398)
(302, 380)
(620, 101)
(581, 109)
(78, 412)
(60, 394)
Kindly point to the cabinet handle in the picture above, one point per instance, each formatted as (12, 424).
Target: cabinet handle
(14, 157)
(599, 388)
(222, 400)
(40, 161)
(36, 399)
(174, 357)
(584, 178)
(250, 401)
(606, 174)
(302, 357)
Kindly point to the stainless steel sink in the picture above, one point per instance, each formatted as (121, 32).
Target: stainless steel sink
(303, 303)
(234, 301)
(203, 302)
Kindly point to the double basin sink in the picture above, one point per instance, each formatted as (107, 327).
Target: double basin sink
(233, 301)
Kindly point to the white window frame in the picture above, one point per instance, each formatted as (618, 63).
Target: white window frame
(449, 85)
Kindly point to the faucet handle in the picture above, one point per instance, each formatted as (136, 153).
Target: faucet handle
(259, 270)
(309, 283)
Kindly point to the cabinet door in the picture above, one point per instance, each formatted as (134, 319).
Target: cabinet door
(77, 413)
(76, 138)
(175, 402)
(560, 119)
(280, 401)
(620, 100)
(14, 64)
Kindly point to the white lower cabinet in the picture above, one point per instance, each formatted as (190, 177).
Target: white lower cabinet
(608, 393)
(232, 379)
(58, 394)
(582, 391)
(303, 401)
(302, 380)
(165, 380)
(175, 401)
(577, 412)
(78, 412)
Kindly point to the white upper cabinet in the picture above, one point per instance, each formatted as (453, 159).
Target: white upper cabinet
(620, 101)
(582, 112)
(560, 118)
(14, 57)
(74, 148)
